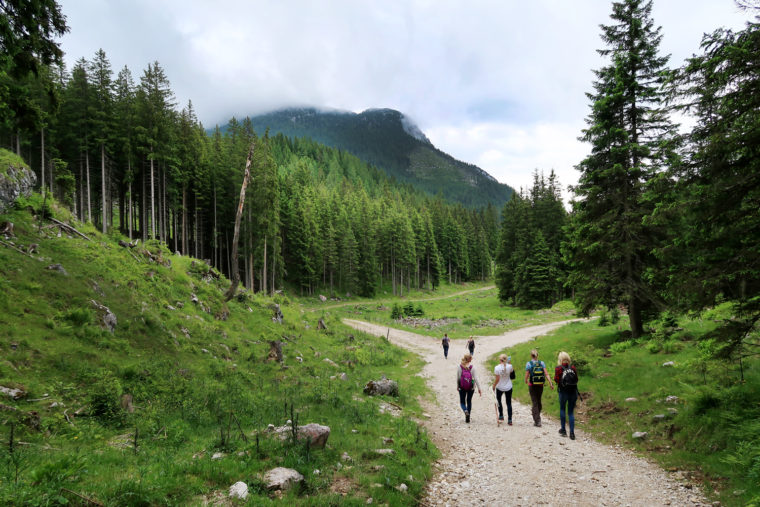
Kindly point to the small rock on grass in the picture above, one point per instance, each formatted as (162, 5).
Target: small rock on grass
(239, 490)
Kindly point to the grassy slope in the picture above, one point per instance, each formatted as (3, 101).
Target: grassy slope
(189, 373)
(714, 437)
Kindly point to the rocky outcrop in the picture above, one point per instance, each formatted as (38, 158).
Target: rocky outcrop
(16, 179)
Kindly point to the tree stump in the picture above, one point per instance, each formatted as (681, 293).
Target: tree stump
(275, 351)
(321, 324)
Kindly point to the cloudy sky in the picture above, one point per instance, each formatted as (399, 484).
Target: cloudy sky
(500, 84)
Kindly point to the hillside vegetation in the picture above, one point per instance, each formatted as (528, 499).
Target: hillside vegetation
(198, 374)
(388, 140)
(701, 414)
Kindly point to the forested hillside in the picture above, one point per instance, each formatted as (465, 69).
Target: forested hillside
(124, 157)
(390, 141)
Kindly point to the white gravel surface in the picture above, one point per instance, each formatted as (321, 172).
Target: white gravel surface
(521, 465)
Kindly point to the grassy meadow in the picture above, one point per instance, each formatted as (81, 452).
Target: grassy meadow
(711, 433)
(460, 311)
(199, 380)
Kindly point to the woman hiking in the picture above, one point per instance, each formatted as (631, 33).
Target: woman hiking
(566, 377)
(535, 376)
(502, 384)
(471, 345)
(467, 380)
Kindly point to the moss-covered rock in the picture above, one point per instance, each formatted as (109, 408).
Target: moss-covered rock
(16, 179)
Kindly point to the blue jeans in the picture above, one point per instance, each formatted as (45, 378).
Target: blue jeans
(465, 399)
(446, 351)
(569, 399)
(508, 400)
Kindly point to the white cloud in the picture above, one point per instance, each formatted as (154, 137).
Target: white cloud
(497, 83)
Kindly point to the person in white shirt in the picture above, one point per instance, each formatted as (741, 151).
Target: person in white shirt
(503, 385)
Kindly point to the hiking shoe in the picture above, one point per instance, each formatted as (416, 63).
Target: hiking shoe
(466, 416)
(572, 436)
(537, 424)
(562, 433)
(509, 422)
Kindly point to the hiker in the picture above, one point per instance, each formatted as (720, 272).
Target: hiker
(467, 380)
(471, 345)
(566, 377)
(535, 376)
(504, 373)
(445, 342)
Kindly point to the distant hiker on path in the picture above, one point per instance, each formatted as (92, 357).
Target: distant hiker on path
(467, 380)
(535, 376)
(471, 345)
(502, 384)
(445, 342)
(566, 378)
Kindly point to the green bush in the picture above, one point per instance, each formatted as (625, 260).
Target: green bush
(653, 346)
(618, 347)
(105, 398)
(604, 318)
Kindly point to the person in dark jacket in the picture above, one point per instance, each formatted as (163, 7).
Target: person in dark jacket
(445, 342)
(567, 384)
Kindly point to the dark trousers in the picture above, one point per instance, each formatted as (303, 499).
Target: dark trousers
(465, 399)
(507, 400)
(446, 351)
(536, 391)
(568, 399)
(472, 349)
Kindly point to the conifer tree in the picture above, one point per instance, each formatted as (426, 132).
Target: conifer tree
(609, 247)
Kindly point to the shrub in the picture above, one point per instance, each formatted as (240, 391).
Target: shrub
(653, 346)
(604, 318)
(615, 315)
(105, 398)
(396, 312)
(619, 347)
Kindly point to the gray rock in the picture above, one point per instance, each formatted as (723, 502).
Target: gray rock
(382, 386)
(282, 478)
(59, 268)
(659, 417)
(322, 298)
(16, 394)
(385, 452)
(668, 363)
(631, 400)
(239, 490)
(15, 181)
(343, 376)
(672, 410)
(218, 456)
(671, 399)
(317, 434)
(330, 362)
(638, 435)
(402, 487)
(345, 457)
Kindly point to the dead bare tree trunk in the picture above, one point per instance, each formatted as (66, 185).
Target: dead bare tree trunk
(234, 268)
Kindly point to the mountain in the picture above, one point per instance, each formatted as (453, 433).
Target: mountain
(392, 142)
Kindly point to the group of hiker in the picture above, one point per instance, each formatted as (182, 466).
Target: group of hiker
(536, 377)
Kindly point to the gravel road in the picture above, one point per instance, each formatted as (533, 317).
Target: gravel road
(521, 465)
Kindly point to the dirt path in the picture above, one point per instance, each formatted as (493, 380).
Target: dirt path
(379, 301)
(483, 464)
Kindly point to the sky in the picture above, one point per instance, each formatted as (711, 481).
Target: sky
(499, 84)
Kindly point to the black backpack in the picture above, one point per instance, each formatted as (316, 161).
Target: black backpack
(537, 376)
(569, 379)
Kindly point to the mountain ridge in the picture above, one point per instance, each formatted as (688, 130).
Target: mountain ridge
(391, 141)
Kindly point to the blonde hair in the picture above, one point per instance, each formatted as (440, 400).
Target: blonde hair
(534, 354)
(562, 357)
(502, 358)
(466, 359)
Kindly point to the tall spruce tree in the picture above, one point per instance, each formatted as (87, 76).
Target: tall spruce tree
(715, 251)
(630, 134)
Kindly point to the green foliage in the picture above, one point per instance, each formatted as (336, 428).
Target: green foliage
(105, 397)
(610, 243)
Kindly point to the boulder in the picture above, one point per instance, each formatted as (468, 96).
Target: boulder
(317, 434)
(16, 394)
(59, 268)
(282, 478)
(16, 180)
(380, 387)
(239, 490)
(639, 435)
(322, 298)
(277, 314)
(109, 319)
